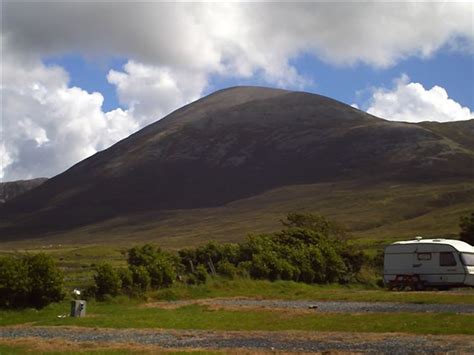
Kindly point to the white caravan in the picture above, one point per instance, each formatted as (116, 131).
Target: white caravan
(441, 263)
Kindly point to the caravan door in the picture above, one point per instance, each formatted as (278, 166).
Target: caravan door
(451, 269)
(425, 263)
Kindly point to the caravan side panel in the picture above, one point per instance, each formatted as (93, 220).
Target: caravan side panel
(436, 264)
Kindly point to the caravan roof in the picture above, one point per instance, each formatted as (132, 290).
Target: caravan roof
(456, 244)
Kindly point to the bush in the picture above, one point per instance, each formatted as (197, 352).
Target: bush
(227, 269)
(201, 274)
(161, 265)
(126, 280)
(141, 279)
(310, 248)
(107, 281)
(315, 223)
(30, 281)
(46, 280)
(467, 229)
(14, 282)
(212, 251)
(297, 254)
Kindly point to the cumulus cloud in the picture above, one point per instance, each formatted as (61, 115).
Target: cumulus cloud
(243, 37)
(47, 125)
(151, 92)
(173, 50)
(411, 102)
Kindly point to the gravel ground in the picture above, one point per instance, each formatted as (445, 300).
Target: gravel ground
(330, 306)
(282, 341)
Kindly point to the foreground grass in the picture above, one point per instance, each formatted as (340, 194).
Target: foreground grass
(123, 313)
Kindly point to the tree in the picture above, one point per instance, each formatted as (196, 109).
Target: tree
(46, 280)
(316, 223)
(161, 265)
(107, 281)
(14, 282)
(126, 279)
(29, 281)
(467, 229)
(141, 279)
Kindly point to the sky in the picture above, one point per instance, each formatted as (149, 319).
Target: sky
(79, 76)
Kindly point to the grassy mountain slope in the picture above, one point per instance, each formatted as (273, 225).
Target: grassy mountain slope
(374, 214)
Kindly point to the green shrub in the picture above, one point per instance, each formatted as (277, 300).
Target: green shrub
(126, 279)
(14, 282)
(141, 279)
(201, 274)
(161, 265)
(46, 280)
(227, 269)
(107, 281)
(467, 229)
(310, 249)
(211, 252)
(30, 281)
(316, 223)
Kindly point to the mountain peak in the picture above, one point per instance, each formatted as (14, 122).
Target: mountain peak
(237, 143)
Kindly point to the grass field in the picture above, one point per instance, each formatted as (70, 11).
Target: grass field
(123, 313)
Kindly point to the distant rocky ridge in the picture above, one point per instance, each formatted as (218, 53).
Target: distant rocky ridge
(10, 190)
(235, 144)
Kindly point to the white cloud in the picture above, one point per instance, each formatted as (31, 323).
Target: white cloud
(411, 102)
(240, 38)
(48, 126)
(151, 92)
(5, 159)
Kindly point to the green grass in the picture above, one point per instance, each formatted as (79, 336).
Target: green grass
(289, 290)
(127, 314)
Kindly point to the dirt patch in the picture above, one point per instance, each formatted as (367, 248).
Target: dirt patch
(35, 346)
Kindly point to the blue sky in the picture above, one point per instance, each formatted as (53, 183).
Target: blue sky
(80, 76)
(90, 74)
(451, 70)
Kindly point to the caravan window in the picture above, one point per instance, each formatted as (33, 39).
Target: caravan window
(447, 259)
(467, 259)
(424, 256)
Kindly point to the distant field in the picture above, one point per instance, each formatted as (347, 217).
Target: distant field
(374, 214)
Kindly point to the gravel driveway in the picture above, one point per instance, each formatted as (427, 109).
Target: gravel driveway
(263, 341)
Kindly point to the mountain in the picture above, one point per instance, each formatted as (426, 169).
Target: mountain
(10, 190)
(235, 144)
